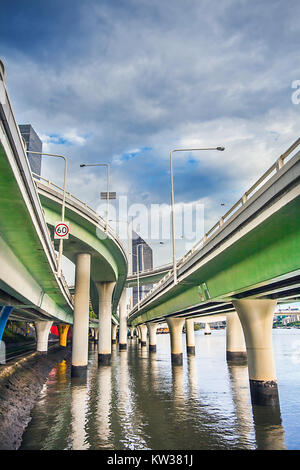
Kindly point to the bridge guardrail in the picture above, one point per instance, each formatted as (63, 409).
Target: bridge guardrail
(71, 196)
(279, 163)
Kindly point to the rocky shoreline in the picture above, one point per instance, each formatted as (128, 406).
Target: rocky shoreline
(20, 386)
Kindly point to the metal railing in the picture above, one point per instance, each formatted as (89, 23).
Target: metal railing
(279, 163)
(150, 270)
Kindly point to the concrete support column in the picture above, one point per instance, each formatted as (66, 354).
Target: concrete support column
(5, 311)
(123, 322)
(190, 336)
(175, 326)
(152, 327)
(256, 316)
(235, 340)
(42, 329)
(114, 333)
(143, 330)
(207, 330)
(131, 333)
(80, 336)
(63, 334)
(105, 290)
(96, 335)
(138, 331)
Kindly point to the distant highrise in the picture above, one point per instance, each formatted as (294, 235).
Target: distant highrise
(34, 143)
(142, 257)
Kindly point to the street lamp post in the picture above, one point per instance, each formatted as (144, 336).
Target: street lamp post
(138, 271)
(60, 249)
(173, 204)
(107, 186)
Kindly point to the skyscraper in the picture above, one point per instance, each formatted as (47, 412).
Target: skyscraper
(34, 143)
(142, 258)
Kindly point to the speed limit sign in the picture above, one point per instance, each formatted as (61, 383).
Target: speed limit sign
(61, 230)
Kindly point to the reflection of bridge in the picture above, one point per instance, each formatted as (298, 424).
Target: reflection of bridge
(246, 263)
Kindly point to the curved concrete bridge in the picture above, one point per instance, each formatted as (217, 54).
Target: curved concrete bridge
(30, 287)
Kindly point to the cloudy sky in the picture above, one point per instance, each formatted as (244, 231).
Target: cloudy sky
(126, 81)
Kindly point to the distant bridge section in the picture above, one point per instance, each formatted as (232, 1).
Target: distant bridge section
(150, 276)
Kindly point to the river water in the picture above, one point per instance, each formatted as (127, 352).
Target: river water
(142, 402)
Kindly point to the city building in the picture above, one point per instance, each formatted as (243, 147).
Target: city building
(142, 258)
(34, 143)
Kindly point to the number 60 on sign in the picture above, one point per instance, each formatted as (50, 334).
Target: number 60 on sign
(61, 230)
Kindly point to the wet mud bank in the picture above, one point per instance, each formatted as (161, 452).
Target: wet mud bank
(20, 385)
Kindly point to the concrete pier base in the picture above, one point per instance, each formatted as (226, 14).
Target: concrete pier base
(235, 340)
(143, 330)
(96, 335)
(113, 334)
(177, 359)
(79, 371)
(104, 359)
(207, 330)
(175, 327)
(256, 316)
(191, 350)
(81, 314)
(190, 336)
(105, 290)
(42, 329)
(63, 333)
(152, 328)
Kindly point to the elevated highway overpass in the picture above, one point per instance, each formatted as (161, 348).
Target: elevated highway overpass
(30, 287)
(252, 252)
(244, 265)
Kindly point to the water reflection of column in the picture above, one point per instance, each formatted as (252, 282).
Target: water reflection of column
(268, 428)
(79, 408)
(143, 354)
(192, 376)
(241, 398)
(178, 387)
(104, 406)
(124, 404)
(153, 370)
(61, 372)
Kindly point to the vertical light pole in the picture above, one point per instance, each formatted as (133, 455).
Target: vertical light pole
(138, 270)
(107, 185)
(173, 204)
(60, 249)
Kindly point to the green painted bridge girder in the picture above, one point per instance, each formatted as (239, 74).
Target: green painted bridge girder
(19, 232)
(146, 279)
(268, 252)
(108, 262)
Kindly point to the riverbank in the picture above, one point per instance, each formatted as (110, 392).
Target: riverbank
(20, 385)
